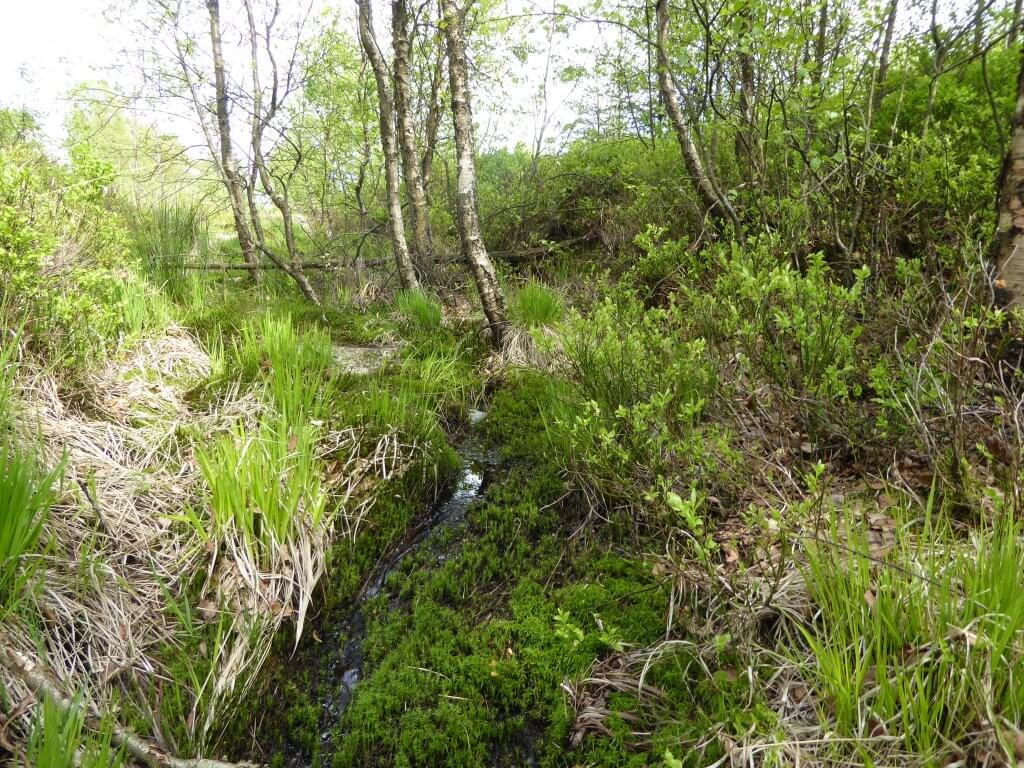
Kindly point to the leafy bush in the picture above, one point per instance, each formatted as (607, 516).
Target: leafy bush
(798, 330)
(63, 259)
(644, 391)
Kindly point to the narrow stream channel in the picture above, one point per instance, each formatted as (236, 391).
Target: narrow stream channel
(342, 639)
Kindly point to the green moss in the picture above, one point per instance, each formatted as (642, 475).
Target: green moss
(521, 413)
(472, 668)
(299, 682)
(468, 646)
(398, 504)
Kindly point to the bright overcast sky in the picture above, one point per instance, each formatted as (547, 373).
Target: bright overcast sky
(46, 47)
(49, 46)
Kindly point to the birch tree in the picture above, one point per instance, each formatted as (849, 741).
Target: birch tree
(411, 168)
(227, 165)
(276, 188)
(399, 245)
(715, 202)
(473, 250)
(1008, 244)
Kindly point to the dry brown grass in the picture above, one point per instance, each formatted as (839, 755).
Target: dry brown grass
(118, 555)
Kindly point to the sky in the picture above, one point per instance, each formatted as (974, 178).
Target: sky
(46, 47)
(49, 46)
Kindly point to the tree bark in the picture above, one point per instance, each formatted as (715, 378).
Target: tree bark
(746, 137)
(819, 44)
(433, 121)
(228, 167)
(414, 188)
(883, 60)
(364, 162)
(979, 26)
(1007, 249)
(400, 248)
(716, 205)
(473, 250)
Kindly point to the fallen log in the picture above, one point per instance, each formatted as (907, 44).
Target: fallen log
(251, 267)
(271, 265)
(143, 751)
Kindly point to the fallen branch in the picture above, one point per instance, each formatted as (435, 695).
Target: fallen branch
(221, 267)
(140, 749)
(260, 266)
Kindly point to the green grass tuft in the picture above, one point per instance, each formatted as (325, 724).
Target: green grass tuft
(925, 651)
(9, 345)
(263, 485)
(419, 309)
(536, 306)
(25, 500)
(165, 238)
(59, 740)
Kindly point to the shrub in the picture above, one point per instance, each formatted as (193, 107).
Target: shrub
(63, 259)
(644, 391)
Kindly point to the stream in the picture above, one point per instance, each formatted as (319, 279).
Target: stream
(341, 644)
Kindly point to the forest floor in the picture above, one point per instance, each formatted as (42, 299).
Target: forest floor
(458, 593)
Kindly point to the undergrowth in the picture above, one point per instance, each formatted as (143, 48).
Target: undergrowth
(26, 493)
(535, 305)
(925, 645)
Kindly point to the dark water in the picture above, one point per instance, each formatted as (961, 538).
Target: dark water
(341, 662)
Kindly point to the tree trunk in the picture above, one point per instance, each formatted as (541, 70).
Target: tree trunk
(229, 169)
(364, 162)
(399, 246)
(1011, 39)
(747, 138)
(278, 193)
(883, 60)
(979, 26)
(433, 121)
(421, 236)
(716, 206)
(473, 250)
(938, 58)
(1008, 244)
(819, 44)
